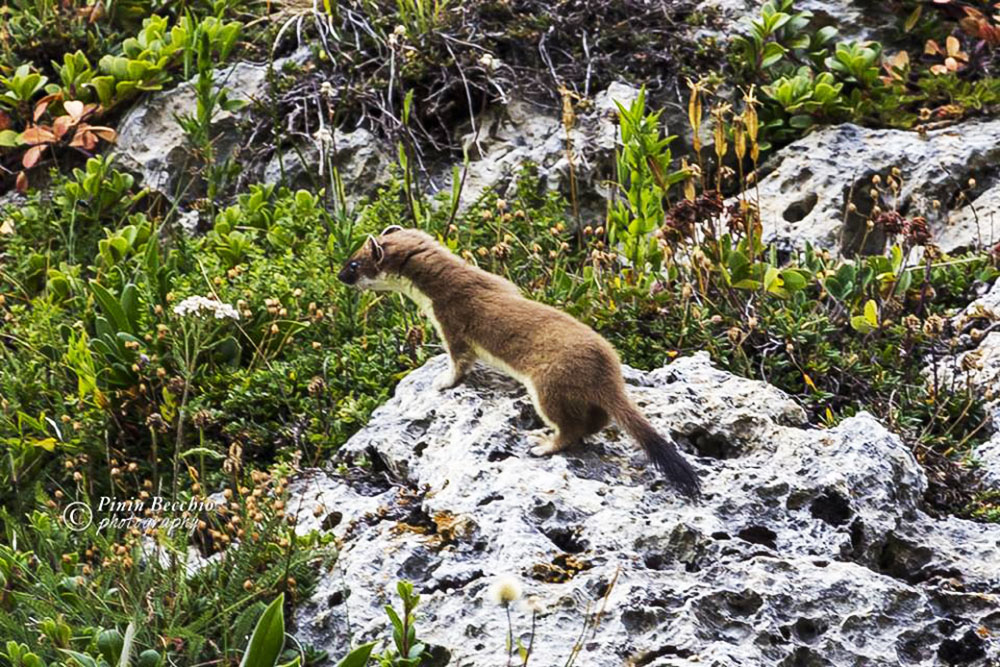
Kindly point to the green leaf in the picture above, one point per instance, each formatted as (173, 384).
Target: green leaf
(9, 138)
(800, 42)
(871, 313)
(149, 658)
(773, 52)
(110, 306)
(397, 622)
(860, 324)
(801, 121)
(867, 322)
(794, 280)
(905, 280)
(110, 644)
(358, 657)
(80, 658)
(130, 305)
(772, 278)
(825, 34)
(268, 637)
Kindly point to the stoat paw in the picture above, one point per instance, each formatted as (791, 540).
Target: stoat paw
(542, 443)
(444, 381)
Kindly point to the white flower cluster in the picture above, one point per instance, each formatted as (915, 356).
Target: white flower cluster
(196, 305)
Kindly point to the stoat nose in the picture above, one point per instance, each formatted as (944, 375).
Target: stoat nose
(348, 276)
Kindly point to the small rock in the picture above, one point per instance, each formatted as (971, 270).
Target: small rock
(152, 144)
(360, 159)
(806, 195)
(975, 225)
(988, 456)
(520, 134)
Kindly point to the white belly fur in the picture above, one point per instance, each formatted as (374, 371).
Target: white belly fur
(406, 287)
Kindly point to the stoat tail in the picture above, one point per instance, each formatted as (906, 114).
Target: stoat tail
(661, 452)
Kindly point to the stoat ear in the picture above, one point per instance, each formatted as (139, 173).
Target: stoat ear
(390, 229)
(378, 253)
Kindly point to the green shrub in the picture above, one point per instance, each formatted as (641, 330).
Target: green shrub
(806, 83)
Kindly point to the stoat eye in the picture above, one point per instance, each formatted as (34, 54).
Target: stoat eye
(354, 264)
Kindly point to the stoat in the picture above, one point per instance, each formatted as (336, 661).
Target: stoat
(572, 374)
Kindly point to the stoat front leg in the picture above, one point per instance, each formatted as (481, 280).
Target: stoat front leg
(460, 360)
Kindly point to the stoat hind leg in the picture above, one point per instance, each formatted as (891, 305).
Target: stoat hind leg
(571, 420)
(545, 444)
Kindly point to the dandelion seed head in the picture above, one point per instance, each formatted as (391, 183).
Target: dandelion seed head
(534, 604)
(505, 589)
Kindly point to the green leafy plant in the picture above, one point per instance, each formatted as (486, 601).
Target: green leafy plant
(779, 36)
(19, 90)
(210, 41)
(420, 17)
(406, 650)
(806, 84)
(645, 176)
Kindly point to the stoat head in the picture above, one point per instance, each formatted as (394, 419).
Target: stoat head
(377, 263)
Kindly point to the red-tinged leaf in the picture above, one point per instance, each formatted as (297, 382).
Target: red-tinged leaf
(971, 26)
(43, 104)
(105, 133)
(39, 110)
(37, 134)
(21, 184)
(96, 13)
(74, 108)
(62, 125)
(955, 48)
(85, 140)
(4, 121)
(32, 156)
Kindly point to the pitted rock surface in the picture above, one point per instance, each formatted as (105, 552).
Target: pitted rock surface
(811, 183)
(809, 546)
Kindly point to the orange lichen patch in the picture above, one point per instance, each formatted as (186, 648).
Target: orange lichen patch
(404, 527)
(562, 568)
(440, 529)
(451, 527)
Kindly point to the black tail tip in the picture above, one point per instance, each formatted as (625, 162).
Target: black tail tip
(664, 455)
